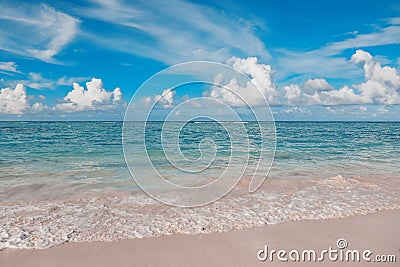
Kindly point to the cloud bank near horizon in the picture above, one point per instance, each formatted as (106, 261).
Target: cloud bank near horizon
(381, 86)
(95, 97)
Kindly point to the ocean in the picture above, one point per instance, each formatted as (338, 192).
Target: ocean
(69, 182)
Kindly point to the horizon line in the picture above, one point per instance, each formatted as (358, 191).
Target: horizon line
(365, 121)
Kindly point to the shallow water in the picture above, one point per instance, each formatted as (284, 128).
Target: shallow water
(89, 154)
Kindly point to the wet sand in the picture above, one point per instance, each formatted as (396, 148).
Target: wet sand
(378, 232)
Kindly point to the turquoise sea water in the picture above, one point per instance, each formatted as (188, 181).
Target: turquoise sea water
(68, 181)
(89, 155)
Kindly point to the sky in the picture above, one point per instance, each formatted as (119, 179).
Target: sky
(311, 60)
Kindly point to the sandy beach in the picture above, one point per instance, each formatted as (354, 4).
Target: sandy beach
(377, 232)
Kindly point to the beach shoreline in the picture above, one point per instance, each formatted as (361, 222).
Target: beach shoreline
(115, 215)
(377, 232)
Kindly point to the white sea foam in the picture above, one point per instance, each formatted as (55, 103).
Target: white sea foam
(108, 216)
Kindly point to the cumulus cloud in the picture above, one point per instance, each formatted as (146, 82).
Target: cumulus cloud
(38, 31)
(314, 85)
(16, 101)
(381, 86)
(38, 107)
(166, 99)
(259, 74)
(13, 101)
(297, 95)
(95, 97)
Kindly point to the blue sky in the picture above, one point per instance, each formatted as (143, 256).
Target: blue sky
(314, 60)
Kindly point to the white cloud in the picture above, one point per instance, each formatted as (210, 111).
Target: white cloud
(381, 86)
(38, 107)
(38, 31)
(259, 74)
(9, 66)
(297, 95)
(314, 85)
(166, 99)
(117, 95)
(13, 101)
(16, 101)
(179, 31)
(95, 97)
